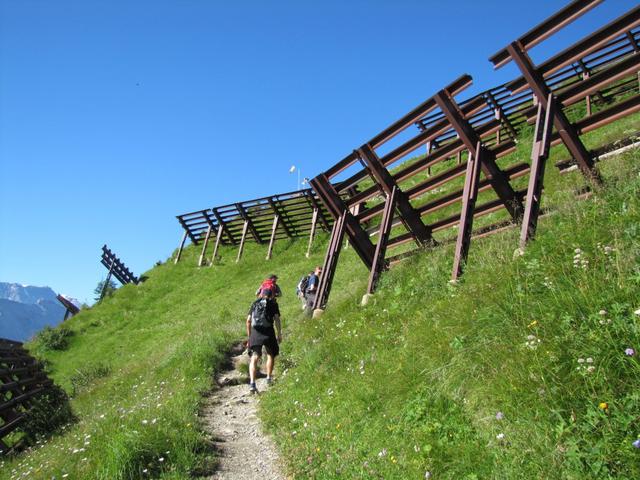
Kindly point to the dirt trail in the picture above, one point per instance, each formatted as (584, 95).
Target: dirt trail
(230, 415)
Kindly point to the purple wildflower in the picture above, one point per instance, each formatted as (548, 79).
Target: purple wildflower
(499, 416)
(630, 352)
(636, 443)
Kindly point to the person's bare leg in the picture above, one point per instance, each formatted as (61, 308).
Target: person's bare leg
(253, 367)
(270, 362)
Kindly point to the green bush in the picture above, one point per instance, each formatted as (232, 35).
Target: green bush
(85, 376)
(53, 338)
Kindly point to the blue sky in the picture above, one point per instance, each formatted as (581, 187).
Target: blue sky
(117, 115)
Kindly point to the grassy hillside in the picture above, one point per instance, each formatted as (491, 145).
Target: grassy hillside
(518, 372)
(502, 376)
(137, 365)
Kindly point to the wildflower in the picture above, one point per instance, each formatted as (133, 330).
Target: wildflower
(382, 453)
(591, 369)
(630, 352)
(581, 360)
(427, 474)
(637, 312)
(500, 436)
(602, 312)
(533, 324)
(589, 360)
(161, 459)
(636, 444)
(603, 406)
(578, 251)
(499, 416)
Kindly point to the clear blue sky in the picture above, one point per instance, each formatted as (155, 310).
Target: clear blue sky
(117, 115)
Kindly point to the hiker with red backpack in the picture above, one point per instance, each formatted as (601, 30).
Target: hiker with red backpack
(263, 316)
(270, 283)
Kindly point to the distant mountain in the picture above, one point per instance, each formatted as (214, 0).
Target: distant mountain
(25, 310)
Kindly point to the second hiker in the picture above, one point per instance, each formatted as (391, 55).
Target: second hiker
(312, 289)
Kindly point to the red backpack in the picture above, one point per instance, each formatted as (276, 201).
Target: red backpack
(268, 284)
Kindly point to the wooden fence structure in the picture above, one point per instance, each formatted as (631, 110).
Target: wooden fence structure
(262, 220)
(469, 139)
(117, 268)
(21, 381)
(444, 173)
(70, 308)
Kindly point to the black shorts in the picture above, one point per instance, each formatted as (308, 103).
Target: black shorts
(270, 345)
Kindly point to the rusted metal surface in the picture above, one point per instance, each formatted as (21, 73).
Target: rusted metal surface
(539, 155)
(469, 197)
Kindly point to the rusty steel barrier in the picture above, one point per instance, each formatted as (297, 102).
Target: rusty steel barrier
(446, 165)
(399, 201)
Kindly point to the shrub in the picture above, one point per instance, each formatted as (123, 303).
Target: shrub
(87, 375)
(53, 338)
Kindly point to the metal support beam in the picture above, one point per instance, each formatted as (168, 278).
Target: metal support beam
(276, 219)
(184, 239)
(539, 155)
(490, 168)
(379, 262)
(283, 216)
(357, 235)
(217, 245)
(312, 233)
(469, 197)
(222, 223)
(331, 261)
(247, 219)
(565, 129)
(325, 223)
(244, 237)
(409, 216)
(204, 247)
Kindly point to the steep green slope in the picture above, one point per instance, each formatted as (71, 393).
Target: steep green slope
(138, 364)
(520, 371)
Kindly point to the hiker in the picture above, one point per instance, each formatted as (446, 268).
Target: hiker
(312, 289)
(263, 316)
(270, 283)
(301, 288)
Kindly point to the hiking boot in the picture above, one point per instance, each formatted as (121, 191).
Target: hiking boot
(253, 388)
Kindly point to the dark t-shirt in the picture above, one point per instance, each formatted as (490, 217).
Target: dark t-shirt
(259, 335)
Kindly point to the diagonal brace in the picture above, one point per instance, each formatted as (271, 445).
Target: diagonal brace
(566, 130)
(489, 167)
(357, 235)
(409, 216)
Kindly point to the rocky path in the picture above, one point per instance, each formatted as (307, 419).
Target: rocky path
(230, 414)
